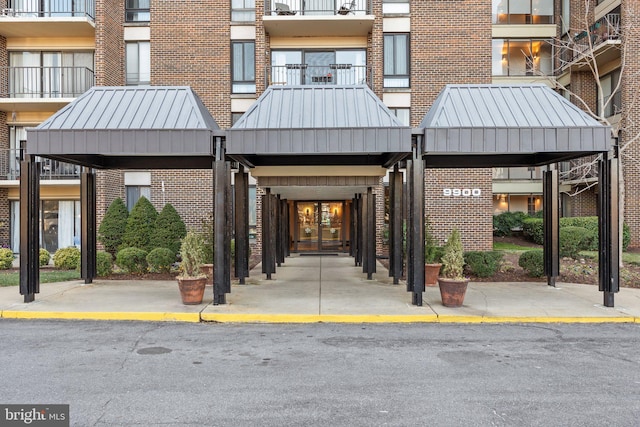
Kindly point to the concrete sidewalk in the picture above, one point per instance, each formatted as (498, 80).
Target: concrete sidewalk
(320, 289)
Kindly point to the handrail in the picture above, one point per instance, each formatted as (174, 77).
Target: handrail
(50, 9)
(45, 82)
(330, 74)
(317, 7)
(49, 169)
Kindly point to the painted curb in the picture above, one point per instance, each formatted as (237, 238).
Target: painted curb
(79, 315)
(318, 318)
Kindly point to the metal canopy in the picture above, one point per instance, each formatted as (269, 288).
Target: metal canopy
(129, 127)
(507, 125)
(319, 125)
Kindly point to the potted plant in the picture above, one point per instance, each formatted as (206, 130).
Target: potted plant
(453, 285)
(307, 232)
(191, 280)
(432, 263)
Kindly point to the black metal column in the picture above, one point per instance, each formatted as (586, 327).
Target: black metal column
(280, 231)
(409, 211)
(352, 228)
(369, 238)
(268, 235)
(287, 228)
(88, 242)
(29, 230)
(551, 226)
(221, 224)
(608, 229)
(358, 229)
(241, 220)
(395, 224)
(415, 234)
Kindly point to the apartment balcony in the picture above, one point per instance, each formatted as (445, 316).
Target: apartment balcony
(313, 18)
(42, 88)
(332, 74)
(602, 39)
(50, 170)
(53, 18)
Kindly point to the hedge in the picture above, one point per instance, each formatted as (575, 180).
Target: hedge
(43, 257)
(573, 240)
(533, 230)
(160, 260)
(504, 223)
(532, 262)
(6, 258)
(483, 264)
(67, 258)
(104, 264)
(132, 260)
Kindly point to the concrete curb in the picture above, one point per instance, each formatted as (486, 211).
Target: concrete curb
(300, 318)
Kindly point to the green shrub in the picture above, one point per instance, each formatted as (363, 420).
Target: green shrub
(504, 223)
(6, 258)
(483, 264)
(573, 240)
(104, 264)
(140, 225)
(67, 258)
(192, 254)
(453, 257)
(208, 239)
(44, 257)
(113, 225)
(168, 230)
(533, 230)
(132, 260)
(161, 259)
(532, 262)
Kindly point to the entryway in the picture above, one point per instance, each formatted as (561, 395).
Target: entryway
(321, 226)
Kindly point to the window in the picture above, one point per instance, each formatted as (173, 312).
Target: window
(43, 74)
(137, 11)
(612, 101)
(138, 63)
(522, 11)
(395, 7)
(244, 67)
(342, 67)
(396, 60)
(134, 192)
(402, 114)
(566, 16)
(235, 117)
(243, 10)
(521, 57)
(59, 224)
(533, 204)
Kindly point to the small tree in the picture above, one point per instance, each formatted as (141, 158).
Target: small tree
(453, 258)
(140, 225)
(192, 254)
(113, 225)
(169, 229)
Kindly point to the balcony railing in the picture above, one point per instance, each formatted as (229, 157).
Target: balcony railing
(604, 29)
(332, 74)
(45, 82)
(50, 8)
(50, 169)
(318, 7)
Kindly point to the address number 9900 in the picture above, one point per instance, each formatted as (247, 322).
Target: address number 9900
(461, 192)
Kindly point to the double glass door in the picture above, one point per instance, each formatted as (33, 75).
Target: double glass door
(320, 226)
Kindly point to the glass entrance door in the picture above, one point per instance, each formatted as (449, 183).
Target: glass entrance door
(320, 226)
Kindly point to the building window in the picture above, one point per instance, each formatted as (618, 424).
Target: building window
(59, 224)
(138, 65)
(235, 117)
(403, 114)
(137, 11)
(611, 93)
(319, 67)
(244, 67)
(532, 205)
(521, 57)
(522, 11)
(134, 192)
(396, 60)
(243, 10)
(395, 7)
(43, 74)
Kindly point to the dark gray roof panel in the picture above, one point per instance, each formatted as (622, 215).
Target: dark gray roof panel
(128, 120)
(509, 119)
(318, 119)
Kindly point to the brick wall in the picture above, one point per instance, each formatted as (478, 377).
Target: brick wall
(109, 55)
(473, 216)
(631, 34)
(190, 46)
(584, 203)
(448, 46)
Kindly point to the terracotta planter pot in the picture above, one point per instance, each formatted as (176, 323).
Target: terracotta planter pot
(452, 291)
(431, 273)
(192, 290)
(208, 270)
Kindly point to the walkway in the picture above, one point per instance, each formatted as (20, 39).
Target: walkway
(321, 289)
